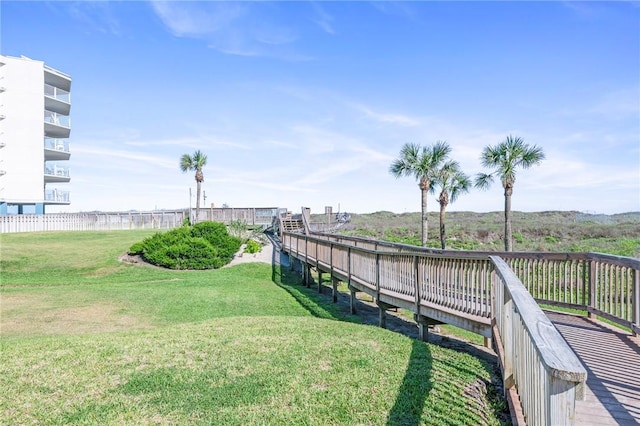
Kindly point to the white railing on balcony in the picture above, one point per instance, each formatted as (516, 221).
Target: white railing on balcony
(56, 195)
(57, 93)
(56, 144)
(57, 119)
(56, 171)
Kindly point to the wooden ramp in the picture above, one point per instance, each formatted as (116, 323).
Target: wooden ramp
(548, 366)
(612, 361)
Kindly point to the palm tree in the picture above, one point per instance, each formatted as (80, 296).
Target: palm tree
(452, 183)
(422, 163)
(505, 158)
(195, 163)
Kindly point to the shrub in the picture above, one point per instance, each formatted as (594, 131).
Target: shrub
(238, 228)
(253, 247)
(137, 248)
(216, 233)
(205, 245)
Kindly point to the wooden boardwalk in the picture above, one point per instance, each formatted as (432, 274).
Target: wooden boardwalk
(612, 361)
(548, 362)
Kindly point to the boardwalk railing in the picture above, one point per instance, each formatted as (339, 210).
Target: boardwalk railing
(601, 284)
(534, 358)
(481, 293)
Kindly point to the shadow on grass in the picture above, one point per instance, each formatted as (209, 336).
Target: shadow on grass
(415, 387)
(291, 282)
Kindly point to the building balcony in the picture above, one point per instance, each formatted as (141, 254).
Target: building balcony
(56, 149)
(56, 174)
(57, 78)
(57, 100)
(55, 196)
(56, 125)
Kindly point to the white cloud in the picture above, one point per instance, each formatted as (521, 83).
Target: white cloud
(388, 118)
(187, 19)
(102, 156)
(96, 16)
(234, 28)
(618, 104)
(323, 19)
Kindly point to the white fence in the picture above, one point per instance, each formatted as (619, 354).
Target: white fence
(92, 221)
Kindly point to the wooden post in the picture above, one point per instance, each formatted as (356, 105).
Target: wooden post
(319, 278)
(334, 285)
(507, 337)
(382, 311)
(636, 302)
(593, 296)
(377, 276)
(353, 294)
(561, 400)
(352, 300)
(423, 327)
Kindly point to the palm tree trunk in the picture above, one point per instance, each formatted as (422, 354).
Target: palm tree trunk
(443, 233)
(508, 244)
(425, 225)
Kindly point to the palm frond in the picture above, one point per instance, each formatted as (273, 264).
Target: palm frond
(483, 181)
(186, 163)
(461, 184)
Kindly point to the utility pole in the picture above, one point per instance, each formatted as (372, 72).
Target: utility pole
(190, 214)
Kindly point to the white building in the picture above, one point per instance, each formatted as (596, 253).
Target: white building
(35, 102)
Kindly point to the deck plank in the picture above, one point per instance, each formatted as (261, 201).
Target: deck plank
(612, 361)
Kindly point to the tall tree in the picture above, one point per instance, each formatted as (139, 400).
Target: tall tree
(195, 163)
(452, 182)
(422, 163)
(504, 159)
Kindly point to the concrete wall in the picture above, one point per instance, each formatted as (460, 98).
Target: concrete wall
(22, 157)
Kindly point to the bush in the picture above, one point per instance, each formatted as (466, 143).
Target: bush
(192, 253)
(253, 247)
(137, 248)
(205, 245)
(216, 233)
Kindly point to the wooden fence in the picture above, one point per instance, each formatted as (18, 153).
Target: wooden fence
(92, 221)
(165, 219)
(493, 294)
(252, 216)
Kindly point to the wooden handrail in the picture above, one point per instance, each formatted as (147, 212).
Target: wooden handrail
(535, 358)
(602, 284)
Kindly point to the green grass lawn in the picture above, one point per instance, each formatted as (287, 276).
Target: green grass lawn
(89, 340)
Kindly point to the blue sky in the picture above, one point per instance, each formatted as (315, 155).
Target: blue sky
(308, 103)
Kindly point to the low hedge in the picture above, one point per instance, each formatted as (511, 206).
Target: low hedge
(206, 245)
(253, 247)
